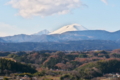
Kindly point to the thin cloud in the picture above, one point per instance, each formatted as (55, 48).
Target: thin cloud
(105, 1)
(6, 29)
(28, 8)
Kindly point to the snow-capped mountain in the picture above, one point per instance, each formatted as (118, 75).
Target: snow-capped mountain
(42, 32)
(73, 27)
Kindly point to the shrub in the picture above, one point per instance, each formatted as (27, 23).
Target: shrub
(5, 78)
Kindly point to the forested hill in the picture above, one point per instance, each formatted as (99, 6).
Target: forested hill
(82, 65)
(83, 45)
(11, 66)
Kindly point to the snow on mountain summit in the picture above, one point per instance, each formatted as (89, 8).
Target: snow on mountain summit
(73, 27)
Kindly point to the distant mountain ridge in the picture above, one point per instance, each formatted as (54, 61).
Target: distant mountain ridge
(67, 36)
(43, 32)
(82, 45)
(72, 32)
(1, 40)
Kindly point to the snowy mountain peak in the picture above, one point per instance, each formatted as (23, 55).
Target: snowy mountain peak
(42, 32)
(73, 27)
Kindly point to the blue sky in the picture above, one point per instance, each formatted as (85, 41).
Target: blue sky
(32, 16)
